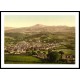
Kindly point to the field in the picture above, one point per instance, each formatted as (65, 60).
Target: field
(21, 59)
(67, 51)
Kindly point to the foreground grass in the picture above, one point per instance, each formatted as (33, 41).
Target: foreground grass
(21, 59)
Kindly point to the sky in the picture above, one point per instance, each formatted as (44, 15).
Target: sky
(30, 20)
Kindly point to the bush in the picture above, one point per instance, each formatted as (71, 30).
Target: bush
(61, 53)
(53, 56)
(33, 52)
(28, 53)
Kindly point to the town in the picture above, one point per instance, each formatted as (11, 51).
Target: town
(38, 49)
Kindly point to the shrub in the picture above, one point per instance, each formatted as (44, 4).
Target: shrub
(53, 56)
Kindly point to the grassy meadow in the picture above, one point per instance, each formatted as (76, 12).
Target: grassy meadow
(21, 59)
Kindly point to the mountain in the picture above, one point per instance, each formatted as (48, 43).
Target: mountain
(42, 28)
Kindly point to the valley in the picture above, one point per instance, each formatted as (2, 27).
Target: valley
(40, 44)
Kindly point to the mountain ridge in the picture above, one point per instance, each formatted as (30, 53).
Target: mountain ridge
(42, 28)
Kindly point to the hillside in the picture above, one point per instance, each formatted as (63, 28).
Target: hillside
(41, 28)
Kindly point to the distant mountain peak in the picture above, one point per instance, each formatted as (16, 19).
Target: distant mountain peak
(39, 25)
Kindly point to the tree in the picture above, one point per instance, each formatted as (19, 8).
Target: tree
(49, 51)
(53, 56)
(61, 52)
(33, 52)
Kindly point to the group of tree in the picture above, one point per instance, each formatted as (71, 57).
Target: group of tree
(54, 56)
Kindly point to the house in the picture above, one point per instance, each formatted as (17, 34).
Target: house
(42, 55)
(69, 57)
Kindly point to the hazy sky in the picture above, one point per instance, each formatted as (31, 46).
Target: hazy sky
(30, 20)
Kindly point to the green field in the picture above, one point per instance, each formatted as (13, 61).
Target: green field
(21, 59)
(67, 51)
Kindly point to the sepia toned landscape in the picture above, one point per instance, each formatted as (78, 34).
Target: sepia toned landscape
(39, 43)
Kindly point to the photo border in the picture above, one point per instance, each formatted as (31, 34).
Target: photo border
(36, 67)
